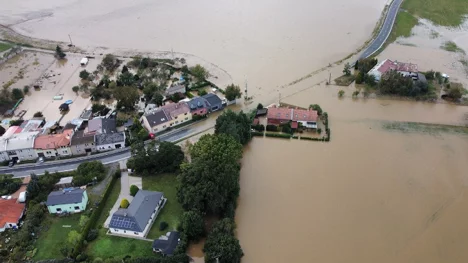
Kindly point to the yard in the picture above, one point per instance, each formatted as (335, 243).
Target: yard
(50, 241)
(172, 211)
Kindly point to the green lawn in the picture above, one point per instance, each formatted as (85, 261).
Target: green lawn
(106, 246)
(4, 46)
(49, 243)
(444, 13)
(403, 25)
(172, 211)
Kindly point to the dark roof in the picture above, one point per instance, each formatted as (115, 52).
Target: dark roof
(66, 196)
(102, 125)
(262, 112)
(167, 244)
(128, 123)
(108, 138)
(175, 89)
(69, 126)
(197, 103)
(79, 137)
(137, 215)
(157, 118)
(212, 99)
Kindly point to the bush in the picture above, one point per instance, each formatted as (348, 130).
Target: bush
(134, 190)
(258, 127)
(259, 106)
(202, 92)
(26, 89)
(124, 203)
(316, 108)
(272, 128)
(257, 134)
(118, 174)
(17, 94)
(341, 93)
(278, 135)
(319, 131)
(81, 257)
(38, 114)
(163, 225)
(93, 234)
(84, 74)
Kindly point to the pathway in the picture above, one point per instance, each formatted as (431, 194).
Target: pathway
(125, 182)
(385, 30)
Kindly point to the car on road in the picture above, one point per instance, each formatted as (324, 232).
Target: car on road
(40, 160)
(11, 163)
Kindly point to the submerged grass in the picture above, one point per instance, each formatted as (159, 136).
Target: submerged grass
(427, 128)
(445, 13)
(4, 46)
(452, 47)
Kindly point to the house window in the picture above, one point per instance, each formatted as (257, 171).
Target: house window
(77, 208)
(116, 230)
(59, 209)
(65, 151)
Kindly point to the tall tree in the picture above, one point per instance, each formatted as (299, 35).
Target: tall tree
(158, 99)
(235, 124)
(347, 69)
(126, 96)
(233, 92)
(59, 53)
(199, 72)
(222, 245)
(192, 224)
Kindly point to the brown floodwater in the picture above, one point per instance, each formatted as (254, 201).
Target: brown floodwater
(370, 195)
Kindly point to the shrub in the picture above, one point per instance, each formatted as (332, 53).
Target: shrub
(316, 108)
(257, 134)
(163, 225)
(259, 106)
(272, 128)
(278, 135)
(17, 94)
(26, 89)
(134, 190)
(93, 234)
(319, 130)
(124, 203)
(258, 127)
(84, 74)
(81, 257)
(341, 93)
(202, 92)
(117, 174)
(38, 114)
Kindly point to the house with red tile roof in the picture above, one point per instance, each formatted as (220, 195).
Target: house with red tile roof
(52, 145)
(10, 213)
(281, 115)
(406, 69)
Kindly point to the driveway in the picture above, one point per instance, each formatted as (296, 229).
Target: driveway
(125, 182)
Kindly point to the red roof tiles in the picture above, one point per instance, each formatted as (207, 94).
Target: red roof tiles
(10, 211)
(286, 114)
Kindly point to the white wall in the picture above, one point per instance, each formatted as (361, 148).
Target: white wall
(108, 147)
(24, 154)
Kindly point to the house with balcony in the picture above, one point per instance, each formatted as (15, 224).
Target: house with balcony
(68, 200)
(53, 145)
(137, 219)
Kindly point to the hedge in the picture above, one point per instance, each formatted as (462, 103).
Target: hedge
(94, 218)
(272, 128)
(254, 133)
(278, 135)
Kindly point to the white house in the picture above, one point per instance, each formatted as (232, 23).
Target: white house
(137, 219)
(406, 69)
(109, 141)
(18, 146)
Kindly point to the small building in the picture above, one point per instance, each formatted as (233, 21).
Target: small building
(167, 244)
(19, 146)
(70, 200)
(280, 115)
(53, 145)
(406, 69)
(137, 219)
(198, 106)
(214, 102)
(109, 141)
(175, 89)
(82, 143)
(11, 212)
(155, 121)
(65, 182)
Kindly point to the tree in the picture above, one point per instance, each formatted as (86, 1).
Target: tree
(109, 62)
(84, 75)
(367, 64)
(454, 92)
(17, 94)
(126, 79)
(222, 245)
(126, 96)
(210, 183)
(124, 203)
(158, 99)
(341, 93)
(59, 53)
(76, 89)
(192, 224)
(38, 114)
(143, 134)
(316, 108)
(83, 221)
(73, 237)
(199, 72)
(259, 106)
(124, 69)
(394, 83)
(347, 69)
(134, 190)
(26, 89)
(370, 80)
(356, 65)
(233, 92)
(170, 156)
(202, 92)
(236, 125)
(360, 77)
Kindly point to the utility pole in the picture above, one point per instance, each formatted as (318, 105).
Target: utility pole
(246, 94)
(71, 43)
(329, 79)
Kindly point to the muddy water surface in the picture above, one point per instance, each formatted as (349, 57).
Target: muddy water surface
(371, 195)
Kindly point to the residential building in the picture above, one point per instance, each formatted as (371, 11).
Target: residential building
(175, 89)
(281, 115)
(101, 125)
(10, 213)
(83, 140)
(198, 106)
(53, 145)
(167, 244)
(406, 69)
(71, 200)
(18, 146)
(82, 143)
(169, 115)
(109, 141)
(214, 102)
(137, 219)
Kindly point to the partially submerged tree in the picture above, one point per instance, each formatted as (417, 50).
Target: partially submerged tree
(347, 69)
(17, 94)
(221, 245)
(59, 54)
(233, 92)
(126, 97)
(192, 224)
(316, 108)
(235, 124)
(199, 72)
(84, 75)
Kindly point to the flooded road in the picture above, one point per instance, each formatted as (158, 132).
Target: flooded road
(371, 195)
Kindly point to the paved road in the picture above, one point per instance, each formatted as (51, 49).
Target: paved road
(385, 30)
(105, 158)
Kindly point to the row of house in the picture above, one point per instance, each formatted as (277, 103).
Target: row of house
(33, 140)
(173, 114)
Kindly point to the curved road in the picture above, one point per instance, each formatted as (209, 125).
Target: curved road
(385, 30)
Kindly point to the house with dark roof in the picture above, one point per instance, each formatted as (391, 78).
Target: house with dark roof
(166, 244)
(137, 219)
(71, 200)
(198, 106)
(109, 141)
(214, 102)
(175, 89)
(101, 125)
(10, 213)
(82, 142)
(169, 115)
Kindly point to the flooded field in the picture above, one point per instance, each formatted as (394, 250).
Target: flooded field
(371, 195)
(267, 42)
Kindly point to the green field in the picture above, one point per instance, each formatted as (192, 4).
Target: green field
(172, 211)
(4, 46)
(445, 13)
(49, 243)
(403, 25)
